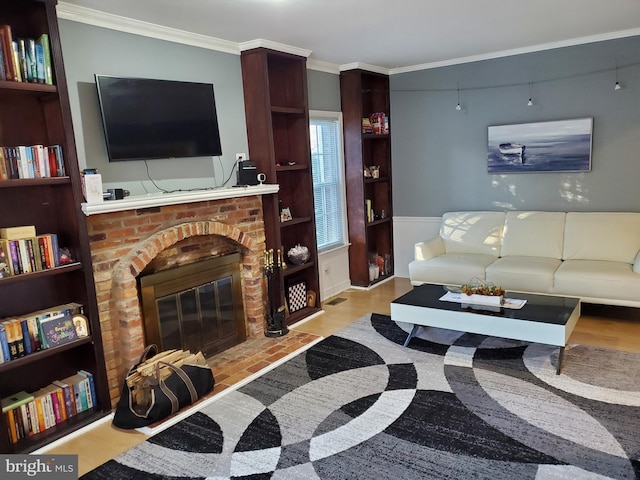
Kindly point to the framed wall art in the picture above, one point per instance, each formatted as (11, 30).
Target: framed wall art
(555, 146)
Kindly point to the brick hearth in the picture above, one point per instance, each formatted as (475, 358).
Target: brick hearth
(126, 243)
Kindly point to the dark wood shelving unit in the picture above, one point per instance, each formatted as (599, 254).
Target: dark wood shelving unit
(277, 115)
(363, 93)
(32, 114)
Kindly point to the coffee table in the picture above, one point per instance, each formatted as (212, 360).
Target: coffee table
(543, 319)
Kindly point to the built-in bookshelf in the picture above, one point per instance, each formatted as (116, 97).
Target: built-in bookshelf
(32, 114)
(367, 143)
(277, 115)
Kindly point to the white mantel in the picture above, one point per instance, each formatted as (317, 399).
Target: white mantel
(176, 198)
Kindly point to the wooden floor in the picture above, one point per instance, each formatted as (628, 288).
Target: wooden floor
(103, 442)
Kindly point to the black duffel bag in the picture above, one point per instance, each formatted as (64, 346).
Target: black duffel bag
(184, 386)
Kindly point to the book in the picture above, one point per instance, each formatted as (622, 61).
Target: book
(15, 400)
(46, 51)
(25, 263)
(40, 67)
(23, 58)
(34, 333)
(7, 50)
(78, 382)
(11, 339)
(26, 338)
(43, 249)
(11, 426)
(3, 73)
(14, 253)
(33, 415)
(16, 61)
(18, 338)
(4, 172)
(4, 344)
(15, 233)
(91, 391)
(32, 76)
(67, 392)
(59, 159)
(11, 161)
(5, 267)
(57, 330)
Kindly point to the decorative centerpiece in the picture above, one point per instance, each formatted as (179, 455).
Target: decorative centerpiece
(479, 292)
(299, 254)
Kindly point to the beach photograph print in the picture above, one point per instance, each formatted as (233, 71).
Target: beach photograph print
(556, 146)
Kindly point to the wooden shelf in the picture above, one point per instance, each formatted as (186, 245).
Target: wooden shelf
(277, 116)
(363, 93)
(27, 277)
(42, 354)
(27, 87)
(34, 182)
(40, 114)
(288, 110)
(295, 221)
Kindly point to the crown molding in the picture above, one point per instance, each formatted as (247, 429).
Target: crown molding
(137, 27)
(364, 66)
(320, 66)
(519, 51)
(281, 47)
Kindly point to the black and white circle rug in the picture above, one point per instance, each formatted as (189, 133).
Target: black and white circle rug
(358, 405)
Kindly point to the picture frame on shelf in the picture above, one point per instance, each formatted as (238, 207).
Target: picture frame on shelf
(285, 215)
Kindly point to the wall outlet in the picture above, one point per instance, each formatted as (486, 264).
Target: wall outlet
(241, 156)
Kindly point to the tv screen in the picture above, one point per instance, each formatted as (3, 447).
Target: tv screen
(146, 119)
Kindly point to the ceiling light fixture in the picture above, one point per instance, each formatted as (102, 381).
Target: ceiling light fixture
(458, 106)
(617, 85)
(530, 102)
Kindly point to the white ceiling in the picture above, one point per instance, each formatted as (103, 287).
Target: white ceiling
(391, 34)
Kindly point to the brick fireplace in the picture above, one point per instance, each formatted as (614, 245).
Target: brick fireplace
(138, 236)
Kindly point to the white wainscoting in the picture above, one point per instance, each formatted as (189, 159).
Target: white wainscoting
(407, 231)
(333, 268)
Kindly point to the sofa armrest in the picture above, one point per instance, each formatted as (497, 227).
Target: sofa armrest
(636, 263)
(429, 249)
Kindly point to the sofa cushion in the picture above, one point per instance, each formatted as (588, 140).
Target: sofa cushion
(450, 268)
(472, 232)
(524, 274)
(533, 234)
(607, 236)
(597, 279)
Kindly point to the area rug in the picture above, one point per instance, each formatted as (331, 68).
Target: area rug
(358, 405)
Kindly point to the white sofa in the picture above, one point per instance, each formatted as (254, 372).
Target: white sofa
(591, 255)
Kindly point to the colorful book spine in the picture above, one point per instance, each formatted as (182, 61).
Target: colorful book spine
(91, 391)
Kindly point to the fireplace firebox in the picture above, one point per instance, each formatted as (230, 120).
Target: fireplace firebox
(195, 307)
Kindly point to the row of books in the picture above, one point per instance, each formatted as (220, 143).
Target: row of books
(27, 414)
(25, 59)
(31, 161)
(27, 255)
(48, 328)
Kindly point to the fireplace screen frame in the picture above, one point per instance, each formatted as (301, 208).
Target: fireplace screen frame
(175, 281)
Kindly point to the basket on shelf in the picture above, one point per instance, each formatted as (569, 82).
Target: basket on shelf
(298, 255)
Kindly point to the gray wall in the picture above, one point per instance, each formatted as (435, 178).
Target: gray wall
(323, 90)
(440, 154)
(89, 50)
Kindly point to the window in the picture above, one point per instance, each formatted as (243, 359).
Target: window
(328, 178)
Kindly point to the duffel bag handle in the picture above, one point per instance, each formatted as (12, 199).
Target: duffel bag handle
(175, 405)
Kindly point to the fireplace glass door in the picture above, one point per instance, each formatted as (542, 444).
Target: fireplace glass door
(197, 307)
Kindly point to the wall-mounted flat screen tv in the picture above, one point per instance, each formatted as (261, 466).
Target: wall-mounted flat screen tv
(147, 119)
